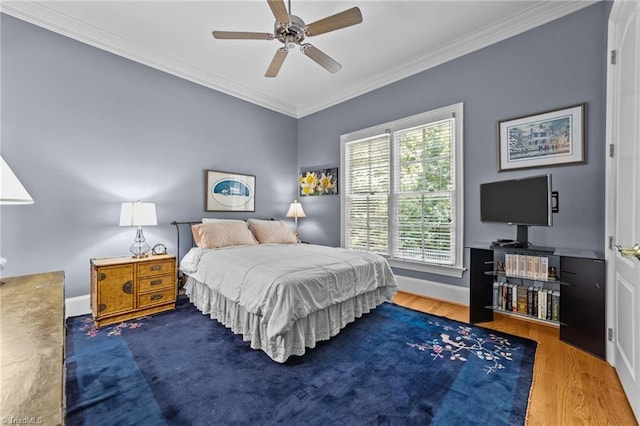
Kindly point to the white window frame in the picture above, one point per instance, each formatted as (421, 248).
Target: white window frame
(447, 112)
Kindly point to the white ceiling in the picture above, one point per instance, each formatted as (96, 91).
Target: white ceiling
(396, 39)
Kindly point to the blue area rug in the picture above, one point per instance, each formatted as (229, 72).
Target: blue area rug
(393, 366)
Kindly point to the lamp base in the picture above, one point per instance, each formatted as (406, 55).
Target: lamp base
(139, 256)
(139, 248)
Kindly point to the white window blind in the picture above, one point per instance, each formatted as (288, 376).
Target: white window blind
(367, 186)
(424, 184)
(402, 194)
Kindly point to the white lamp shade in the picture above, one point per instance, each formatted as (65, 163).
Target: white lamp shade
(138, 214)
(11, 190)
(295, 210)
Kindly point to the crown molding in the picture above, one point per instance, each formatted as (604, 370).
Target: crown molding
(39, 14)
(530, 18)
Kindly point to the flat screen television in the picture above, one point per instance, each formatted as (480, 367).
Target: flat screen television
(523, 202)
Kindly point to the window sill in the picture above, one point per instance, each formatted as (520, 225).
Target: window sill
(450, 271)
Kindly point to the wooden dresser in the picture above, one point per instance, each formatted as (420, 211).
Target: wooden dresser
(32, 334)
(123, 288)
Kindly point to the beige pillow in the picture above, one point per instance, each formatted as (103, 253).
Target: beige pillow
(215, 219)
(272, 231)
(222, 234)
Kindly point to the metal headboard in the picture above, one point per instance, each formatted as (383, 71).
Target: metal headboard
(182, 227)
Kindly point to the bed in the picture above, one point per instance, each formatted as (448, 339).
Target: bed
(282, 296)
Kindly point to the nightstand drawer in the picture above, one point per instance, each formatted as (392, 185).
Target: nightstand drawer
(156, 268)
(156, 283)
(156, 298)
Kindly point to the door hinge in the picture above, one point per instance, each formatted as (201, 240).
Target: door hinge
(611, 150)
(613, 57)
(610, 334)
(610, 242)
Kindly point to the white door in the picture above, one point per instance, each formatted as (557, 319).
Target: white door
(623, 130)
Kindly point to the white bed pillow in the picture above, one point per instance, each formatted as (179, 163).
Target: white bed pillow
(222, 234)
(272, 231)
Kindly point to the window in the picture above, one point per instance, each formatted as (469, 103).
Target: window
(402, 191)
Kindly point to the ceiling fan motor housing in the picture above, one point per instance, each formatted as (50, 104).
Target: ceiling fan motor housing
(291, 33)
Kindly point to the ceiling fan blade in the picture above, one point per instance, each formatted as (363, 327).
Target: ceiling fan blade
(321, 58)
(335, 22)
(276, 62)
(279, 11)
(241, 35)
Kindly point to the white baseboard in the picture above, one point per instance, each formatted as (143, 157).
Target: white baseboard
(434, 290)
(74, 306)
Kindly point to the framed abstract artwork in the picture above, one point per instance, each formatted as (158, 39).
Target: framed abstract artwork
(551, 138)
(229, 192)
(318, 182)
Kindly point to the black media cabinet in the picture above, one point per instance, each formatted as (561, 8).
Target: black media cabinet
(579, 288)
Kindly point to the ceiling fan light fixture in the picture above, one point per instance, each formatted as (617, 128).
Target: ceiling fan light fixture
(291, 30)
(290, 42)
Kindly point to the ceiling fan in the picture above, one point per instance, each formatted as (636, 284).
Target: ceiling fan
(291, 30)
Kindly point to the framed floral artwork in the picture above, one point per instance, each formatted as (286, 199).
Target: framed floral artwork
(318, 182)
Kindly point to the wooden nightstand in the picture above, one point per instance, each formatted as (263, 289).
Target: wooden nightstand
(123, 288)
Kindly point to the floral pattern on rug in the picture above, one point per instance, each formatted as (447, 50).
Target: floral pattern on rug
(494, 349)
(90, 328)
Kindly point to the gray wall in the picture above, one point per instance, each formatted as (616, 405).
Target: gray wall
(556, 65)
(85, 130)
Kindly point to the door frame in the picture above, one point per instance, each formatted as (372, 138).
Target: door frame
(610, 189)
(610, 184)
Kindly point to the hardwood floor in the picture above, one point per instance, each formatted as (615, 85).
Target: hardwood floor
(570, 387)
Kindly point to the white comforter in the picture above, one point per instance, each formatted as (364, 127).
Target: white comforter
(285, 282)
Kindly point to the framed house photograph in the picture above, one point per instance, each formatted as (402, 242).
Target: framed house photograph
(229, 192)
(552, 138)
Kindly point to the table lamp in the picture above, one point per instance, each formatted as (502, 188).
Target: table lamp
(138, 214)
(11, 192)
(295, 211)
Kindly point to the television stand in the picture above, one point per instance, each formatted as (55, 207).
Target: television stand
(578, 284)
